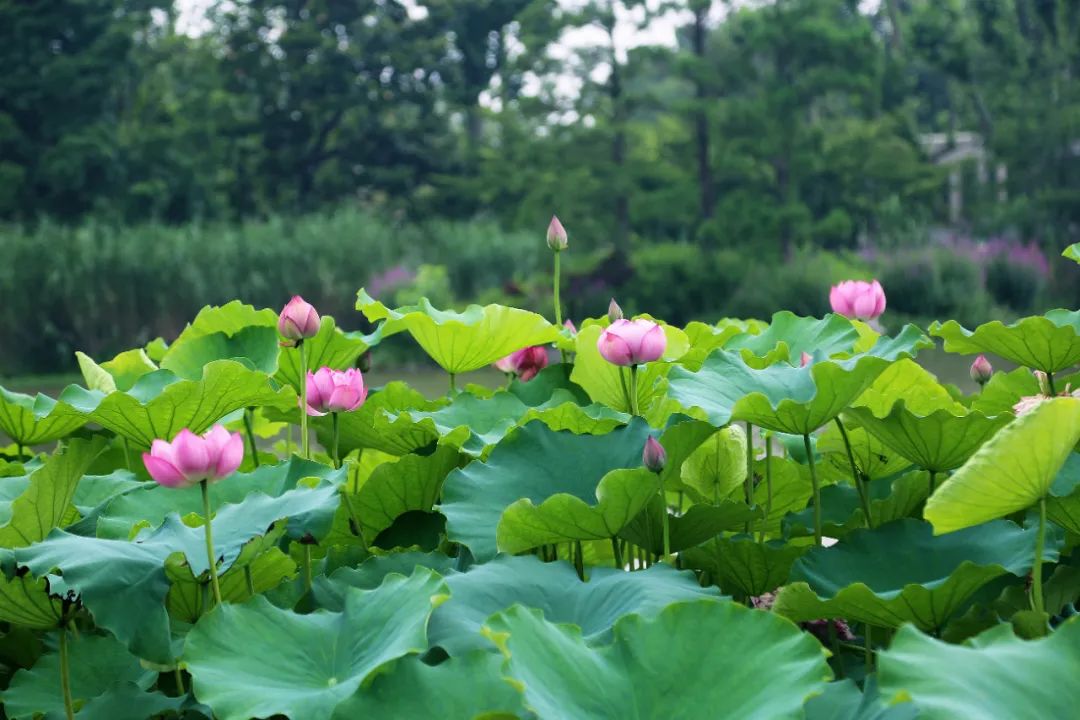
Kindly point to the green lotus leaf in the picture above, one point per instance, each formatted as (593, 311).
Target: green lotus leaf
(705, 338)
(782, 397)
(741, 565)
(1011, 471)
(98, 665)
(693, 527)
(1005, 390)
(412, 483)
(601, 379)
(938, 442)
(842, 700)
(788, 336)
(254, 346)
(188, 596)
(461, 342)
(35, 420)
(304, 666)
(633, 677)
(902, 573)
(872, 458)
(129, 700)
(283, 488)
(330, 348)
(120, 373)
(1072, 252)
(469, 686)
(908, 381)
(791, 491)
(994, 675)
(47, 500)
(160, 404)
(890, 499)
(1050, 342)
(383, 423)
(25, 601)
(716, 468)
(227, 319)
(534, 463)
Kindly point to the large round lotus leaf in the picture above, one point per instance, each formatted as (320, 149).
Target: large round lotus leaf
(554, 588)
(34, 420)
(1011, 471)
(257, 660)
(1050, 343)
(908, 381)
(254, 346)
(742, 565)
(461, 342)
(788, 336)
(329, 591)
(902, 573)
(782, 397)
(716, 468)
(462, 687)
(901, 497)
(691, 661)
(694, 526)
(383, 423)
(872, 458)
(705, 338)
(790, 492)
(120, 373)
(47, 500)
(394, 488)
(98, 665)
(939, 441)
(25, 601)
(995, 675)
(842, 700)
(601, 379)
(1063, 505)
(535, 464)
(187, 599)
(160, 404)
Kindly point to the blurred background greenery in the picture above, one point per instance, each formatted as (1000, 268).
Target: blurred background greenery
(709, 158)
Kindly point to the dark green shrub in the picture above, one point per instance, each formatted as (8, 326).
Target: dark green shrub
(1015, 285)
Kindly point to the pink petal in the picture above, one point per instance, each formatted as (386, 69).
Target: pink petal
(343, 399)
(652, 346)
(232, 454)
(864, 306)
(216, 439)
(614, 349)
(192, 457)
(162, 449)
(163, 472)
(879, 294)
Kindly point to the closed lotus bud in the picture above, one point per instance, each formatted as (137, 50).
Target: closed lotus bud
(857, 299)
(806, 359)
(1044, 381)
(981, 370)
(570, 326)
(556, 235)
(614, 312)
(632, 342)
(654, 457)
(298, 320)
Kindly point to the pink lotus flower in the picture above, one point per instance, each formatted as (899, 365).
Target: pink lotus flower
(654, 457)
(334, 391)
(1028, 404)
(556, 235)
(632, 342)
(856, 299)
(981, 370)
(191, 458)
(525, 363)
(298, 320)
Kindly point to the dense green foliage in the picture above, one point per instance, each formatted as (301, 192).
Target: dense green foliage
(830, 531)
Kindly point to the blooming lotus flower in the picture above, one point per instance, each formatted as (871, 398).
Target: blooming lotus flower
(859, 300)
(654, 457)
(298, 320)
(334, 391)
(525, 363)
(981, 370)
(191, 458)
(556, 235)
(614, 312)
(1029, 403)
(632, 342)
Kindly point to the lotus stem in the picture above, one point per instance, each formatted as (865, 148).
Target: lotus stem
(749, 483)
(334, 444)
(1050, 384)
(179, 675)
(625, 388)
(633, 390)
(664, 522)
(205, 487)
(65, 675)
(868, 648)
(250, 430)
(768, 483)
(453, 384)
(856, 476)
(817, 488)
(578, 554)
(305, 450)
(558, 303)
(932, 484)
(307, 567)
(127, 453)
(616, 550)
(19, 451)
(249, 580)
(1037, 601)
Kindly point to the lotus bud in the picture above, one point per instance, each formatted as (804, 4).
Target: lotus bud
(192, 458)
(806, 359)
(1044, 382)
(654, 457)
(556, 235)
(570, 326)
(632, 342)
(298, 320)
(981, 370)
(614, 312)
(857, 299)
